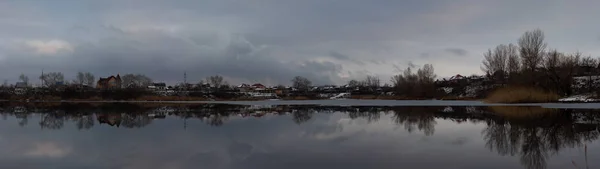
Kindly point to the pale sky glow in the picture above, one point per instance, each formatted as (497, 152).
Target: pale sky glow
(271, 41)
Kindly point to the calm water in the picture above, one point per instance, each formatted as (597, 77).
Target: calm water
(227, 136)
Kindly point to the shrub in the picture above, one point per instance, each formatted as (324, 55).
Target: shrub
(521, 95)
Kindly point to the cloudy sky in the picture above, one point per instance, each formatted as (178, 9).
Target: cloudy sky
(271, 41)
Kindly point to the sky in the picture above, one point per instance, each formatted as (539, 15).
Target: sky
(271, 41)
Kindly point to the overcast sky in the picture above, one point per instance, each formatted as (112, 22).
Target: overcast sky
(271, 41)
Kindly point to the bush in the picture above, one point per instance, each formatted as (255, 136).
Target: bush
(521, 95)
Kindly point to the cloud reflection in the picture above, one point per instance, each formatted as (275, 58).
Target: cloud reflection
(226, 136)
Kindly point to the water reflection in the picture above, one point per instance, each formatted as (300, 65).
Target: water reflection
(532, 134)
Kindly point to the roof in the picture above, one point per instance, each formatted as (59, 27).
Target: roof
(105, 80)
(258, 85)
(244, 85)
(21, 85)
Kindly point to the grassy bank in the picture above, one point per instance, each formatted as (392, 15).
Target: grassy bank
(521, 95)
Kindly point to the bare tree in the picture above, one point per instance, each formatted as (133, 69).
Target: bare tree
(90, 79)
(488, 62)
(5, 83)
(372, 81)
(52, 78)
(426, 74)
(135, 80)
(419, 84)
(495, 62)
(552, 64)
(24, 78)
(216, 81)
(354, 83)
(301, 83)
(531, 48)
(80, 78)
(85, 78)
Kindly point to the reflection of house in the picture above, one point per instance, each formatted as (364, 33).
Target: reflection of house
(110, 119)
(110, 82)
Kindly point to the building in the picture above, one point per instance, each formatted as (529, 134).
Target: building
(21, 85)
(158, 86)
(109, 82)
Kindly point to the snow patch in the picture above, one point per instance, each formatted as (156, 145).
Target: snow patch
(578, 98)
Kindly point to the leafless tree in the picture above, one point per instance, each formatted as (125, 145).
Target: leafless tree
(569, 67)
(354, 83)
(531, 48)
(135, 80)
(372, 81)
(24, 79)
(426, 74)
(301, 83)
(419, 84)
(496, 63)
(216, 81)
(85, 78)
(52, 78)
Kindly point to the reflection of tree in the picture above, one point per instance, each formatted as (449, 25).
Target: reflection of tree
(84, 122)
(534, 139)
(24, 118)
(371, 114)
(302, 115)
(135, 120)
(420, 118)
(531, 133)
(216, 119)
(52, 121)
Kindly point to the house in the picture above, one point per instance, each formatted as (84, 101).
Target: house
(109, 82)
(21, 85)
(258, 86)
(244, 87)
(20, 88)
(158, 86)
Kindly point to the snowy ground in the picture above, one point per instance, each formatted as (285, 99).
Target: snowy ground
(578, 98)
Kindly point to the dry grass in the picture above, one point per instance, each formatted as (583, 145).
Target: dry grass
(521, 95)
(296, 98)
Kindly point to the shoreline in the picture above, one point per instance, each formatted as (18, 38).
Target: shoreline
(342, 102)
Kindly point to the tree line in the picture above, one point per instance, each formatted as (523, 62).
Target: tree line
(530, 63)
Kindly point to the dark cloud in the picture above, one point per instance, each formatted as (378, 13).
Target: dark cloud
(377, 62)
(285, 34)
(342, 57)
(166, 58)
(457, 51)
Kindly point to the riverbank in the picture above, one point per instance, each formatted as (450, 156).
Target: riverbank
(187, 98)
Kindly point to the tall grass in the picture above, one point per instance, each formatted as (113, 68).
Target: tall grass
(521, 95)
